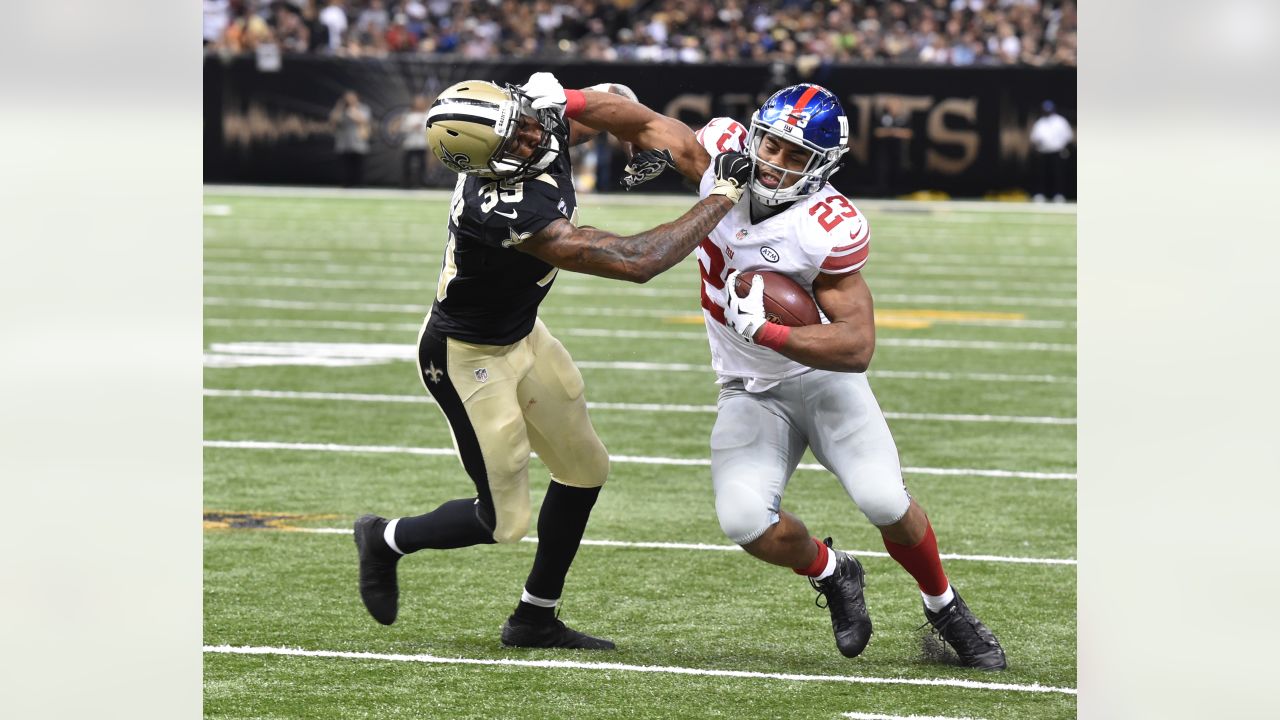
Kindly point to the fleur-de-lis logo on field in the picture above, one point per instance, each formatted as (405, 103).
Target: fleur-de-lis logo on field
(432, 373)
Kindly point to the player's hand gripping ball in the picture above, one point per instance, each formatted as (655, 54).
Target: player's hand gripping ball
(785, 302)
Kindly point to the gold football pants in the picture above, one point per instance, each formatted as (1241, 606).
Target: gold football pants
(503, 401)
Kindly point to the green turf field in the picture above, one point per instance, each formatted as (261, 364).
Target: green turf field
(314, 415)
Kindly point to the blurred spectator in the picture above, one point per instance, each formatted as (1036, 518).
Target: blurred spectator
(317, 31)
(399, 38)
(217, 14)
(246, 31)
(413, 140)
(291, 32)
(371, 26)
(350, 119)
(936, 32)
(334, 17)
(1051, 137)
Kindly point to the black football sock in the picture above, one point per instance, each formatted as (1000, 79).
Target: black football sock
(452, 525)
(534, 613)
(561, 522)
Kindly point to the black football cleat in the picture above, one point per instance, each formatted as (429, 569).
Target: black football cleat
(378, 586)
(976, 646)
(517, 632)
(843, 592)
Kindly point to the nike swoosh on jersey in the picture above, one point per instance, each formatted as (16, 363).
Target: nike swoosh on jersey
(512, 215)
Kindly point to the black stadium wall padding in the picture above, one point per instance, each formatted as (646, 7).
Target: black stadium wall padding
(969, 126)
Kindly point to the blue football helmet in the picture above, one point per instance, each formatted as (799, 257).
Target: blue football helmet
(806, 115)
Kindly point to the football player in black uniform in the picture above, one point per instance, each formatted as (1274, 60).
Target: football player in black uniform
(505, 385)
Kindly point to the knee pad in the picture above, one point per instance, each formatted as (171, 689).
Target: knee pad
(511, 527)
(595, 468)
(883, 503)
(744, 515)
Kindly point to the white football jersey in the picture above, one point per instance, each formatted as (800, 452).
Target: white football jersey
(823, 233)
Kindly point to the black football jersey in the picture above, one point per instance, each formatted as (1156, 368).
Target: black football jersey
(489, 291)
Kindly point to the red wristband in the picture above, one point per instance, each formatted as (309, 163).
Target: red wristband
(575, 102)
(773, 335)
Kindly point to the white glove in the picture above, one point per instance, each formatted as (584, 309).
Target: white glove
(744, 314)
(546, 92)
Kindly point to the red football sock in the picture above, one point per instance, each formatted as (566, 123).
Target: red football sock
(922, 561)
(819, 563)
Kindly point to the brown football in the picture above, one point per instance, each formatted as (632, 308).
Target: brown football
(785, 302)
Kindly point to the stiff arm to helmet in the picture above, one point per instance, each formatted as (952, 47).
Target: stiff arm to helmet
(630, 122)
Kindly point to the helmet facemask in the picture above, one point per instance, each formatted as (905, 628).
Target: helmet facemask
(822, 164)
(473, 127)
(505, 164)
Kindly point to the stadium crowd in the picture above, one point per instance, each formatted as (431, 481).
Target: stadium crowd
(934, 32)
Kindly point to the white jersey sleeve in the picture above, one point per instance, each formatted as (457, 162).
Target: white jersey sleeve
(849, 237)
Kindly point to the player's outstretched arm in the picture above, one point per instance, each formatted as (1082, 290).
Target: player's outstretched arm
(617, 113)
(640, 257)
(632, 122)
(846, 344)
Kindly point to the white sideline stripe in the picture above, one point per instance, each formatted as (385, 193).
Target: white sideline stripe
(587, 332)
(304, 271)
(730, 548)
(635, 334)
(405, 351)
(592, 199)
(638, 407)
(878, 716)
(404, 263)
(243, 360)
(670, 670)
(621, 312)
(636, 459)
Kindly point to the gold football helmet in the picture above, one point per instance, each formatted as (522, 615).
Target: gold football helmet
(471, 126)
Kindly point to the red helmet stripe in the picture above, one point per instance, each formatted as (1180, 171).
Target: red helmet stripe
(804, 100)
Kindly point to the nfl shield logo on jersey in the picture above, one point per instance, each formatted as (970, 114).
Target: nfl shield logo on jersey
(482, 375)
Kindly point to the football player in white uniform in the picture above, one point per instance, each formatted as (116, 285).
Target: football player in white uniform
(786, 389)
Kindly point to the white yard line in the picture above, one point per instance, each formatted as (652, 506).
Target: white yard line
(426, 275)
(730, 548)
(621, 667)
(552, 310)
(402, 351)
(228, 359)
(624, 459)
(419, 309)
(627, 407)
(590, 200)
(880, 716)
(241, 359)
(375, 284)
